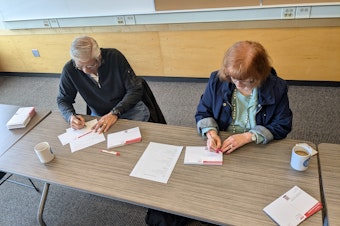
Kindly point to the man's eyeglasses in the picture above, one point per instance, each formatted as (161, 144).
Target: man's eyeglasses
(89, 67)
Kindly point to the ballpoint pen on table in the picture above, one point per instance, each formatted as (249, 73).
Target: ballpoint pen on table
(111, 152)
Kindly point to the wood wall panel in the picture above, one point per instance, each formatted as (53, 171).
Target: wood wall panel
(292, 2)
(161, 5)
(297, 53)
(141, 49)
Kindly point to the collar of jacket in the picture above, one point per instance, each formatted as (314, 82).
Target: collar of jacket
(267, 91)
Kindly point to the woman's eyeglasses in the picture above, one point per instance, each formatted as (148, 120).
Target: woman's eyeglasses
(244, 82)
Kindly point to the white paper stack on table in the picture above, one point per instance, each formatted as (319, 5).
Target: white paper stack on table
(21, 118)
(81, 138)
(124, 137)
(201, 155)
(293, 207)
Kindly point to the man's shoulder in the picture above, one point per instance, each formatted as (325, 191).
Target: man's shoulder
(110, 52)
(69, 65)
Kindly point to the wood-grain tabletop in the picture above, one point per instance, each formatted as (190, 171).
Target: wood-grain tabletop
(329, 155)
(10, 136)
(232, 194)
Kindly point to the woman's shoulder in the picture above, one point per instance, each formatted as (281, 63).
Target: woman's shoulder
(214, 77)
(275, 80)
(280, 82)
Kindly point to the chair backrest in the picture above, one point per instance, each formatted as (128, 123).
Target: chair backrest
(149, 100)
(88, 110)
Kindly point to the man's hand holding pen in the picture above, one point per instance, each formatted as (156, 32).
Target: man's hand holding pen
(77, 122)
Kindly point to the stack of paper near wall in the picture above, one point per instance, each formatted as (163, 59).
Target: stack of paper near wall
(21, 118)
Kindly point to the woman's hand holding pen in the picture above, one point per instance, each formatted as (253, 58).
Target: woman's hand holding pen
(77, 122)
(214, 141)
(229, 145)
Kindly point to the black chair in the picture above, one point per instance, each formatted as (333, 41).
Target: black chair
(149, 100)
(2, 175)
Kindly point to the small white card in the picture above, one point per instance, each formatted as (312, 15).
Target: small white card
(293, 207)
(201, 155)
(124, 137)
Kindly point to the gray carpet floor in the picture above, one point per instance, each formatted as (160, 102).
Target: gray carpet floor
(316, 112)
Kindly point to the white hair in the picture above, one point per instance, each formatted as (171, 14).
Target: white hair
(84, 48)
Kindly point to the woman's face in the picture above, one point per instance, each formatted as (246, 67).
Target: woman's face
(243, 84)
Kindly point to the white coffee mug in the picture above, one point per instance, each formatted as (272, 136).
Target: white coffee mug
(44, 152)
(300, 158)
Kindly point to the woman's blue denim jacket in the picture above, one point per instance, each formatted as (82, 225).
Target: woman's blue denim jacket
(273, 117)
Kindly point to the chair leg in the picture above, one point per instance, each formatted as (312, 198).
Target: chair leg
(19, 183)
(4, 180)
(33, 185)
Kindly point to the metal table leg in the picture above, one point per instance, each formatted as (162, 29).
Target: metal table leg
(42, 204)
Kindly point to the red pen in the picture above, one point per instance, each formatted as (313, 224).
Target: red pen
(85, 134)
(218, 150)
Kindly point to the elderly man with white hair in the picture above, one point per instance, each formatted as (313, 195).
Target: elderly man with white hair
(107, 83)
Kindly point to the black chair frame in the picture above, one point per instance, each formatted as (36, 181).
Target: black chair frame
(7, 178)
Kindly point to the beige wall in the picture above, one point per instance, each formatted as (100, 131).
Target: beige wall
(300, 50)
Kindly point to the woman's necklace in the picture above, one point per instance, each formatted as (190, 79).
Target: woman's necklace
(234, 103)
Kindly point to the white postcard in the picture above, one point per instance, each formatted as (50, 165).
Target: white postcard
(201, 155)
(128, 136)
(293, 207)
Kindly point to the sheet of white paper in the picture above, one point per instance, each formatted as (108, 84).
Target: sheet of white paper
(72, 134)
(82, 138)
(86, 141)
(157, 162)
(66, 138)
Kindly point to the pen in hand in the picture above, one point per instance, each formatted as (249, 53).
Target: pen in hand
(218, 150)
(213, 147)
(79, 119)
